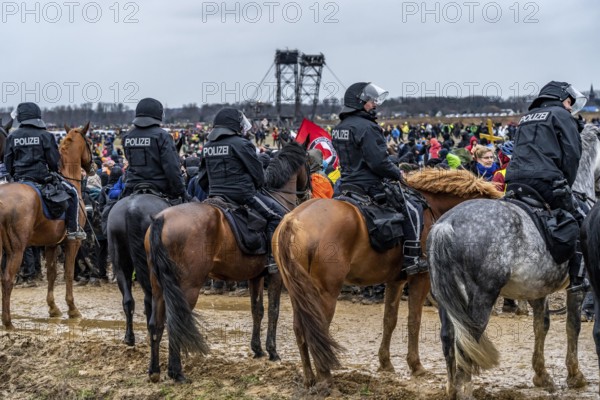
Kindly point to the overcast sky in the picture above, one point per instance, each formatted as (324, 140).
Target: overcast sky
(185, 51)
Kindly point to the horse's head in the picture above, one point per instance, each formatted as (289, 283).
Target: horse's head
(288, 174)
(76, 147)
(4, 129)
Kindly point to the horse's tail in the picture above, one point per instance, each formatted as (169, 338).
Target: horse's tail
(181, 320)
(451, 290)
(590, 245)
(306, 302)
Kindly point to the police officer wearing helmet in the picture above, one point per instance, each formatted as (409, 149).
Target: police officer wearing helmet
(365, 163)
(151, 153)
(546, 154)
(234, 171)
(32, 154)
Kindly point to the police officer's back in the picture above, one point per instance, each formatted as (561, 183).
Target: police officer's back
(151, 153)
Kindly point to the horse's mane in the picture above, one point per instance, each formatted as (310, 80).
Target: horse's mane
(461, 183)
(285, 164)
(584, 182)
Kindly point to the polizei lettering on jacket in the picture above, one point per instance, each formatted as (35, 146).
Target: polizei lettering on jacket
(216, 151)
(541, 116)
(27, 141)
(340, 134)
(137, 142)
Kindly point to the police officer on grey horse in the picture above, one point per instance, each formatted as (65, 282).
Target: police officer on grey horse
(546, 156)
(151, 154)
(365, 162)
(230, 163)
(32, 155)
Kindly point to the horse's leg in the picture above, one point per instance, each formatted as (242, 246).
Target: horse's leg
(51, 255)
(258, 311)
(13, 263)
(575, 378)
(275, 285)
(71, 248)
(419, 287)
(123, 267)
(596, 330)
(156, 327)
(541, 324)
(393, 290)
(447, 337)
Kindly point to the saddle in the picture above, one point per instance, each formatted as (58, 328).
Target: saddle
(558, 228)
(384, 222)
(53, 197)
(248, 226)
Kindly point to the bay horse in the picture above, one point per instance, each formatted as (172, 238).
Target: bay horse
(23, 224)
(472, 264)
(324, 243)
(190, 242)
(128, 221)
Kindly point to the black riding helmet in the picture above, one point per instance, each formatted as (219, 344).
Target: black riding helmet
(560, 91)
(148, 112)
(358, 94)
(30, 114)
(229, 121)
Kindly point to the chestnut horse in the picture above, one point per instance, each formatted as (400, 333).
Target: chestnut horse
(187, 243)
(324, 243)
(23, 224)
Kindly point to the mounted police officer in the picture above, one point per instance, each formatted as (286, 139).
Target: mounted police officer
(32, 155)
(151, 153)
(365, 163)
(234, 171)
(546, 155)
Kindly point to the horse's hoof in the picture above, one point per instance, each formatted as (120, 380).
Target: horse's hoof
(9, 326)
(155, 377)
(179, 378)
(576, 381)
(544, 381)
(387, 367)
(55, 313)
(129, 340)
(419, 371)
(259, 354)
(74, 314)
(309, 382)
(274, 357)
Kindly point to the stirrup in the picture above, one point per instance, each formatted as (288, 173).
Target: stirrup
(581, 287)
(77, 235)
(417, 268)
(272, 268)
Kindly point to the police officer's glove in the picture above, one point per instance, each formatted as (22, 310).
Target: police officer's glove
(580, 123)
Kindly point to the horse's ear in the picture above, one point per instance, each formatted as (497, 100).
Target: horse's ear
(67, 129)
(85, 128)
(9, 125)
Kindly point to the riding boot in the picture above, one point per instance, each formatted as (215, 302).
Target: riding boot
(271, 265)
(74, 232)
(577, 279)
(412, 262)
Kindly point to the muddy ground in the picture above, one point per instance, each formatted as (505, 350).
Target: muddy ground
(48, 358)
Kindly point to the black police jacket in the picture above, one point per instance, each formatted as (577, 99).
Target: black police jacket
(153, 159)
(232, 167)
(31, 153)
(547, 146)
(361, 148)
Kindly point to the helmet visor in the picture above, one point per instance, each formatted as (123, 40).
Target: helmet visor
(374, 93)
(580, 100)
(245, 125)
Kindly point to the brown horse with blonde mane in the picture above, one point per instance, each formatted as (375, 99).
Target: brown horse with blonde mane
(24, 224)
(324, 243)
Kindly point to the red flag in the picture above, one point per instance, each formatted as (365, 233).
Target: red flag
(314, 137)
